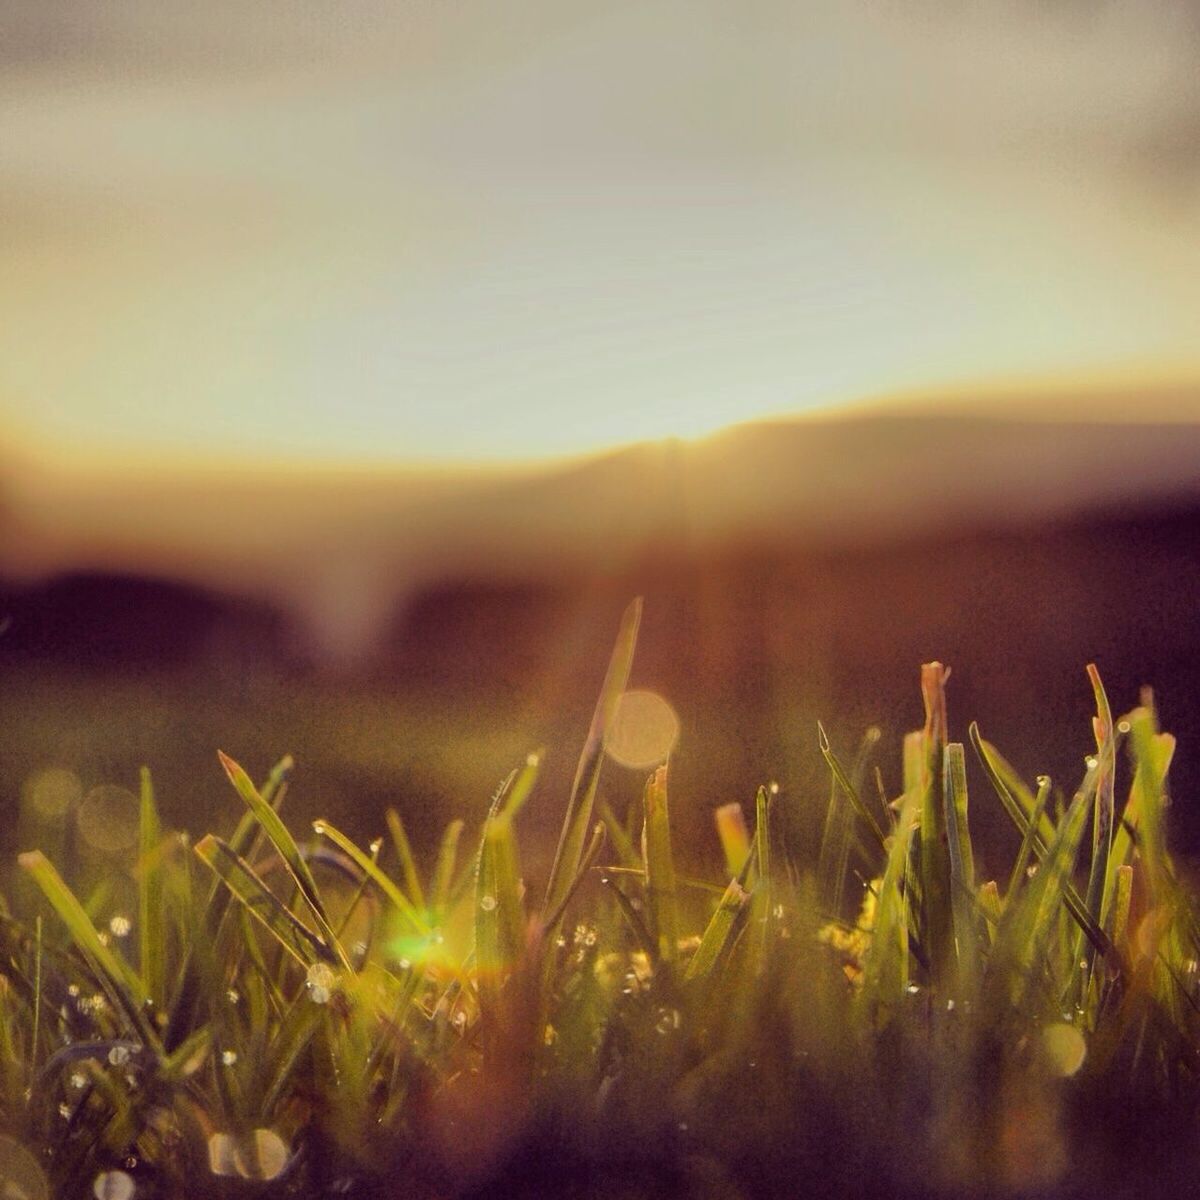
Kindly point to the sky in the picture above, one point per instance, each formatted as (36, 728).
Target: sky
(457, 231)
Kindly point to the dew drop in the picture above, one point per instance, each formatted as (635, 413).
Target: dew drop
(113, 1185)
(118, 1056)
(487, 903)
(1065, 1049)
(229, 1057)
(376, 845)
(320, 982)
(319, 828)
(668, 1020)
(120, 925)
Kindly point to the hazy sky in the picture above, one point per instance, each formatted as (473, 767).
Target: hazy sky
(478, 229)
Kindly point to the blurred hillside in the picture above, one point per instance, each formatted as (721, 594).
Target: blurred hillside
(410, 638)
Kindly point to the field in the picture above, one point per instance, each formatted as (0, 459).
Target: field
(288, 1011)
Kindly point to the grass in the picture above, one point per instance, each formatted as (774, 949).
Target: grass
(272, 1014)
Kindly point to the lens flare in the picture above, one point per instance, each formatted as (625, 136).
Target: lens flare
(108, 818)
(644, 730)
(52, 793)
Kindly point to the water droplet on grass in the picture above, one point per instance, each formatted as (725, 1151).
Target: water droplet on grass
(113, 1185)
(229, 1057)
(668, 1020)
(118, 1056)
(321, 982)
(120, 925)
(487, 903)
(1065, 1049)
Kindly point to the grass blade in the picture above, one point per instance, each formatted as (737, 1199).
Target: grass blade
(280, 837)
(408, 865)
(587, 775)
(717, 932)
(443, 872)
(151, 916)
(239, 877)
(962, 866)
(113, 973)
(848, 788)
(661, 896)
(373, 871)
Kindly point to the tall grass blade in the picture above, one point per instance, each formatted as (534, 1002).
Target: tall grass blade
(408, 865)
(886, 969)
(661, 895)
(443, 872)
(285, 845)
(851, 793)
(962, 866)
(717, 933)
(112, 972)
(499, 913)
(1096, 900)
(587, 775)
(239, 877)
(152, 939)
(937, 927)
(371, 869)
(1008, 786)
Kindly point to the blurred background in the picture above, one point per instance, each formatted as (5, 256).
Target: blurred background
(359, 363)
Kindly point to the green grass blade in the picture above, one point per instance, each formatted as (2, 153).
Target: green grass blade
(1097, 897)
(152, 936)
(587, 776)
(1008, 787)
(962, 865)
(519, 791)
(443, 872)
(886, 969)
(239, 877)
(848, 788)
(112, 972)
(499, 914)
(280, 837)
(627, 853)
(374, 872)
(661, 894)
(408, 865)
(1021, 862)
(717, 932)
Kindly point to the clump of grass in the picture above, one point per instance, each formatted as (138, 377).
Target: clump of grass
(309, 1017)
